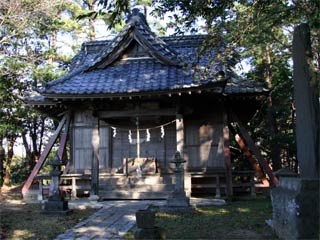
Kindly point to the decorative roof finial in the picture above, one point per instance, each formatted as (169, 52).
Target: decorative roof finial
(137, 17)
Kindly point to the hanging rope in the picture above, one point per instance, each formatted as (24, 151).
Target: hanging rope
(162, 132)
(148, 136)
(115, 127)
(114, 134)
(130, 137)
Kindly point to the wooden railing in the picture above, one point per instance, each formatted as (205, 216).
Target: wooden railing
(70, 184)
(217, 180)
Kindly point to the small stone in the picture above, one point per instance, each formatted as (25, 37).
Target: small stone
(93, 198)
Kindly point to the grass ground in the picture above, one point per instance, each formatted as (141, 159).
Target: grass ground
(26, 221)
(236, 220)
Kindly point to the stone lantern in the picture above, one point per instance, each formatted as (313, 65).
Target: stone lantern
(178, 161)
(56, 202)
(178, 197)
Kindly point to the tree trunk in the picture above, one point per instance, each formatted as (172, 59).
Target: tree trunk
(42, 129)
(273, 132)
(271, 118)
(306, 93)
(7, 176)
(53, 46)
(2, 159)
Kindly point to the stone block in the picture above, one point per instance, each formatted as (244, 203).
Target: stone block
(295, 205)
(56, 207)
(151, 233)
(145, 219)
(178, 202)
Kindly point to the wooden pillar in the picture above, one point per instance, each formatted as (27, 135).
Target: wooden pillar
(110, 148)
(180, 134)
(95, 140)
(73, 188)
(227, 158)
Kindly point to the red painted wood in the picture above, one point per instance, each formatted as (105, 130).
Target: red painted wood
(262, 162)
(251, 160)
(64, 137)
(43, 157)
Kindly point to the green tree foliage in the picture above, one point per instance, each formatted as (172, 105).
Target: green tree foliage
(256, 32)
(28, 57)
(260, 32)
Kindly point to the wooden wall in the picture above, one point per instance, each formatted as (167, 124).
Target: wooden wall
(157, 147)
(203, 144)
(82, 150)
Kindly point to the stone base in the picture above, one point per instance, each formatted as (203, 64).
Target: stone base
(151, 233)
(93, 198)
(295, 205)
(31, 196)
(145, 219)
(56, 207)
(178, 199)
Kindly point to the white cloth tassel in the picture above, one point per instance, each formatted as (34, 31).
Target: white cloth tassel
(114, 132)
(148, 135)
(130, 137)
(162, 132)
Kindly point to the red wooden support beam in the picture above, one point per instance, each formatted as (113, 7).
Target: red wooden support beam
(64, 137)
(249, 156)
(251, 160)
(262, 162)
(43, 157)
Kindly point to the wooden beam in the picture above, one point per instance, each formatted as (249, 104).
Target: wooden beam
(262, 162)
(43, 156)
(180, 134)
(95, 141)
(64, 137)
(137, 113)
(227, 161)
(250, 158)
(62, 147)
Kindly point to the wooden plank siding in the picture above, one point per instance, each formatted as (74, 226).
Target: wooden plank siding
(82, 148)
(82, 151)
(204, 145)
(104, 149)
(155, 148)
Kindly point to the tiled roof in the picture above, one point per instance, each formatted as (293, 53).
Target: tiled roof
(242, 86)
(128, 77)
(98, 69)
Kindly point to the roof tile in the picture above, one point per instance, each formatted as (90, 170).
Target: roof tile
(163, 72)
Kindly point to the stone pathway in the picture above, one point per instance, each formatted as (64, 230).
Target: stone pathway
(112, 221)
(115, 218)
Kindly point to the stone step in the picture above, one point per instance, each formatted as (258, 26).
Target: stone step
(133, 194)
(138, 187)
(32, 195)
(122, 179)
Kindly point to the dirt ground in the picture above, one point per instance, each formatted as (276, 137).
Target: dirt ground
(8, 194)
(20, 220)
